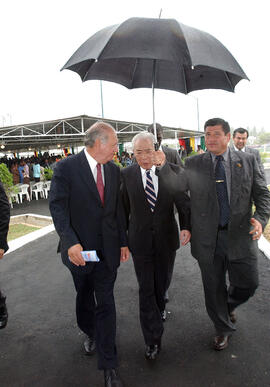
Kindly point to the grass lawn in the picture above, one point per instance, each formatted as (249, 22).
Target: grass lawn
(18, 230)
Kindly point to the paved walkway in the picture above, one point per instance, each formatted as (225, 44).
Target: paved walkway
(42, 345)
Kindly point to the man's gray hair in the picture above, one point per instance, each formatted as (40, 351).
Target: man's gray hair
(99, 130)
(143, 135)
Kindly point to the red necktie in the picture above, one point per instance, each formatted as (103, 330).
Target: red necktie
(100, 185)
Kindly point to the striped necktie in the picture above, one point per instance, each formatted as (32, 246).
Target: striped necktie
(150, 191)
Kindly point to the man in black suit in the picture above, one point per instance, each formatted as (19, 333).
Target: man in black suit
(4, 224)
(152, 233)
(182, 152)
(172, 156)
(87, 213)
(223, 186)
(240, 137)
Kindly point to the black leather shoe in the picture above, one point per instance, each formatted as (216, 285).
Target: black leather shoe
(3, 313)
(152, 351)
(112, 379)
(89, 346)
(166, 297)
(164, 315)
(221, 342)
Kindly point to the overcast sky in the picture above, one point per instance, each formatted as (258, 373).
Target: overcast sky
(38, 37)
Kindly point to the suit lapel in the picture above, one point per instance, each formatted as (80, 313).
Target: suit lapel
(108, 183)
(87, 176)
(236, 176)
(207, 164)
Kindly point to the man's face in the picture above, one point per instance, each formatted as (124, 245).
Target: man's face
(240, 140)
(144, 152)
(216, 140)
(107, 150)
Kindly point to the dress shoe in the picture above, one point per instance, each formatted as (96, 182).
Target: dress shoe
(221, 342)
(166, 297)
(112, 379)
(3, 313)
(164, 315)
(233, 316)
(152, 351)
(89, 346)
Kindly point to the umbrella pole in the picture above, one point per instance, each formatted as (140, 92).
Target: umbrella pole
(153, 98)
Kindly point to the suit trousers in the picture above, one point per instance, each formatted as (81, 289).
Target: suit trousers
(95, 310)
(151, 272)
(220, 300)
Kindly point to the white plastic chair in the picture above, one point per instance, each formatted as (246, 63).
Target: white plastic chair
(46, 188)
(12, 196)
(23, 190)
(38, 188)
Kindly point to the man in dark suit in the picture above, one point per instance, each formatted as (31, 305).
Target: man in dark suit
(86, 209)
(223, 186)
(4, 224)
(240, 137)
(182, 152)
(152, 234)
(172, 156)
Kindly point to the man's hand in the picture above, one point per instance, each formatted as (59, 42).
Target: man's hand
(2, 252)
(74, 253)
(124, 254)
(159, 158)
(257, 229)
(185, 236)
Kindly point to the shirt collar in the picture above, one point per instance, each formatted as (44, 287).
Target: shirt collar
(92, 162)
(239, 150)
(225, 155)
(153, 169)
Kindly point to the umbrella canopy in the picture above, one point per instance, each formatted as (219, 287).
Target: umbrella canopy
(160, 53)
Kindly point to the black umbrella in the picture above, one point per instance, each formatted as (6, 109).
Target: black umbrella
(157, 53)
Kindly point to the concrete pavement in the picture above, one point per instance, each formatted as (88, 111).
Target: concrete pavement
(42, 345)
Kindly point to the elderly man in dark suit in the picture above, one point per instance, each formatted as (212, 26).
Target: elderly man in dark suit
(86, 209)
(223, 186)
(4, 224)
(240, 136)
(172, 156)
(152, 233)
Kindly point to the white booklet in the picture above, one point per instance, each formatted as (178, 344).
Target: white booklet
(90, 256)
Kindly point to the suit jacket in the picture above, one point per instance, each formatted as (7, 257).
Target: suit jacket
(247, 186)
(257, 156)
(78, 214)
(152, 231)
(4, 218)
(172, 155)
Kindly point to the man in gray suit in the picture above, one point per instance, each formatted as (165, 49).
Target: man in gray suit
(172, 156)
(223, 186)
(240, 137)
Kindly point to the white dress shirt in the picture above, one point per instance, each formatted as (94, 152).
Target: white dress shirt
(154, 178)
(93, 166)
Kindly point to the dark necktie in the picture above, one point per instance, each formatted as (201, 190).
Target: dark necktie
(222, 193)
(100, 185)
(150, 191)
